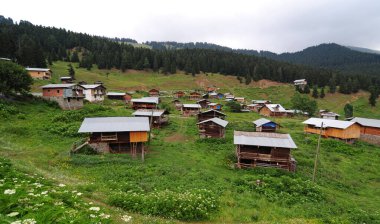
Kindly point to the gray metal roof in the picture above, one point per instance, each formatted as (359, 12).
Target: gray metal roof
(114, 124)
(216, 120)
(212, 110)
(329, 114)
(64, 85)
(367, 122)
(275, 107)
(38, 69)
(328, 123)
(146, 100)
(260, 101)
(148, 113)
(266, 139)
(115, 94)
(191, 105)
(261, 121)
(92, 86)
(65, 77)
(300, 80)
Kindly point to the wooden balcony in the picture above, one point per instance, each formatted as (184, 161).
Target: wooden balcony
(263, 157)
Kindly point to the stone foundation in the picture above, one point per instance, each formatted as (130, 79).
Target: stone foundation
(67, 103)
(100, 147)
(373, 139)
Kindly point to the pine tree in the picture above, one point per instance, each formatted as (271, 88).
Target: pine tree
(332, 85)
(315, 91)
(74, 57)
(155, 64)
(71, 71)
(146, 64)
(373, 95)
(248, 80)
(348, 110)
(322, 94)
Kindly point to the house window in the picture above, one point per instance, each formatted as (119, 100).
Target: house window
(57, 91)
(48, 90)
(68, 100)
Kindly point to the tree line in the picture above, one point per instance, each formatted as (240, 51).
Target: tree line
(35, 46)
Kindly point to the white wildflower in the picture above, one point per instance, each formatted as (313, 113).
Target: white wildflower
(29, 221)
(95, 209)
(62, 185)
(44, 192)
(105, 216)
(79, 193)
(13, 214)
(92, 216)
(16, 222)
(9, 191)
(126, 218)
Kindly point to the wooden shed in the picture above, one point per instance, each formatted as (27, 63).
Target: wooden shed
(66, 79)
(117, 134)
(273, 110)
(190, 109)
(265, 125)
(179, 94)
(39, 73)
(325, 114)
(203, 103)
(154, 93)
(159, 116)
(195, 96)
(344, 130)
(254, 107)
(215, 106)
(145, 103)
(264, 149)
(368, 126)
(208, 114)
(240, 99)
(212, 128)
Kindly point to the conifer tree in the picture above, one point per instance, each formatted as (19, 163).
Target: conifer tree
(315, 91)
(322, 94)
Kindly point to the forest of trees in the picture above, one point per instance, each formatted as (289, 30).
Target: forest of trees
(34, 46)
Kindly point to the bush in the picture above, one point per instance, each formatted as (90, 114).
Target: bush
(188, 205)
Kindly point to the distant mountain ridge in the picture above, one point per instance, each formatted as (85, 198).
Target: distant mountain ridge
(347, 59)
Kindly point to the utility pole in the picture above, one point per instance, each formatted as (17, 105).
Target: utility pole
(317, 153)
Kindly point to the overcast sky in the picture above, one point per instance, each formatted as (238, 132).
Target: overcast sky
(275, 25)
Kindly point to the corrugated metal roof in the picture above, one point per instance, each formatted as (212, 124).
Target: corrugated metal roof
(327, 123)
(38, 69)
(92, 86)
(261, 121)
(216, 120)
(329, 114)
(115, 94)
(212, 110)
(367, 122)
(148, 113)
(266, 139)
(260, 101)
(147, 100)
(213, 104)
(275, 107)
(65, 77)
(191, 105)
(64, 85)
(300, 80)
(114, 124)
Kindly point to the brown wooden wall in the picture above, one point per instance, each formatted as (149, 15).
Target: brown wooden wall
(370, 130)
(139, 136)
(351, 132)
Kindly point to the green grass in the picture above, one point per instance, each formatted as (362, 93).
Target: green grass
(37, 137)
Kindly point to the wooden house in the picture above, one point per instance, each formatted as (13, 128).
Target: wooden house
(265, 125)
(344, 130)
(369, 129)
(273, 110)
(68, 96)
(179, 94)
(39, 73)
(292, 113)
(254, 107)
(66, 79)
(177, 104)
(154, 93)
(210, 89)
(117, 134)
(94, 92)
(190, 109)
(328, 115)
(215, 106)
(261, 102)
(115, 95)
(206, 115)
(264, 149)
(195, 96)
(300, 83)
(240, 99)
(212, 128)
(145, 103)
(203, 103)
(156, 117)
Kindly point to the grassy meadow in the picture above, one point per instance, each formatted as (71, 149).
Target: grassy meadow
(184, 178)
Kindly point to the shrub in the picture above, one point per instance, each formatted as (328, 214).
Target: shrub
(187, 205)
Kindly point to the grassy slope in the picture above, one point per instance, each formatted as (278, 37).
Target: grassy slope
(348, 174)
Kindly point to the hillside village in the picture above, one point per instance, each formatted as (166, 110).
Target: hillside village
(265, 142)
